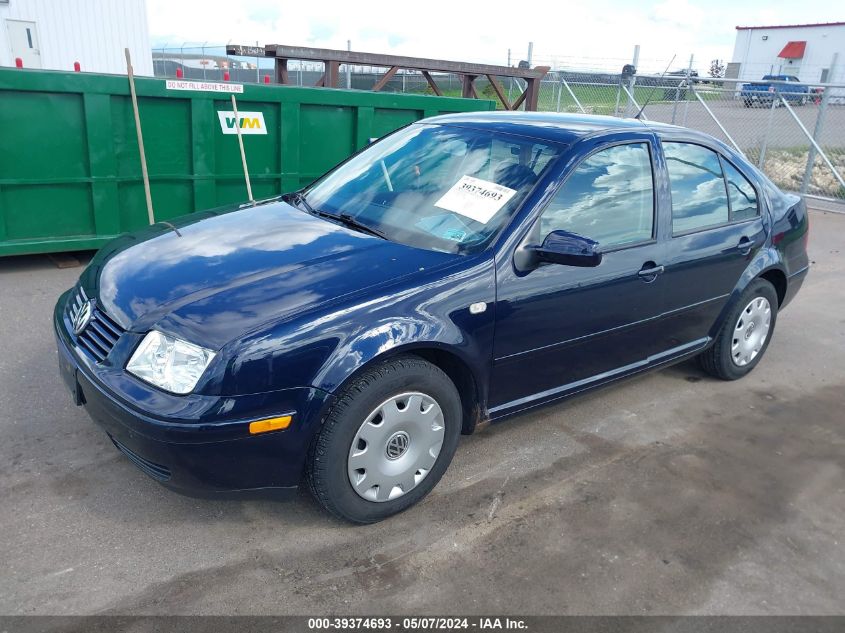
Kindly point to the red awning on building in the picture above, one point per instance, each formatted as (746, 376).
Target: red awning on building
(793, 50)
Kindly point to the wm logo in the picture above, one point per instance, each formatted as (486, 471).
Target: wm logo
(249, 122)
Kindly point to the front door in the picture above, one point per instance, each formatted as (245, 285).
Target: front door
(560, 328)
(23, 40)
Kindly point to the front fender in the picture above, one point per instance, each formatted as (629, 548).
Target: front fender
(328, 348)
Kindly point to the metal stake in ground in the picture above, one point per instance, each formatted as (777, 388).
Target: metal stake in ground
(144, 174)
(241, 145)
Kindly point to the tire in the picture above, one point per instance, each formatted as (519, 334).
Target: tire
(366, 422)
(738, 346)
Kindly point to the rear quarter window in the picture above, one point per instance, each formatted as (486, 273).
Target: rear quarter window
(741, 194)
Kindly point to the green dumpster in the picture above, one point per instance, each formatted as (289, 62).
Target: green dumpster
(70, 174)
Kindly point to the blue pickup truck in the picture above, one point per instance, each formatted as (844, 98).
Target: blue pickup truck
(765, 91)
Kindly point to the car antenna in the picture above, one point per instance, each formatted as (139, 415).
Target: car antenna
(651, 94)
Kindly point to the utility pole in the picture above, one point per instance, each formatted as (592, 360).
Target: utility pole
(530, 53)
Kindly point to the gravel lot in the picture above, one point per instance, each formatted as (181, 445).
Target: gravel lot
(672, 493)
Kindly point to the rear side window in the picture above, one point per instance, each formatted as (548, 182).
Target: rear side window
(699, 196)
(608, 198)
(741, 194)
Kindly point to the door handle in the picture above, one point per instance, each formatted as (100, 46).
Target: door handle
(650, 274)
(745, 245)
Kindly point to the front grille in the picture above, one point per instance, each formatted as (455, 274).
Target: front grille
(156, 471)
(100, 334)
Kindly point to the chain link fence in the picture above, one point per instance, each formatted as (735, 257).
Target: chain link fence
(794, 132)
(772, 123)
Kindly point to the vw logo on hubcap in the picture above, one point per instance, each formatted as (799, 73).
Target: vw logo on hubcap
(82, 318)
(397, 445)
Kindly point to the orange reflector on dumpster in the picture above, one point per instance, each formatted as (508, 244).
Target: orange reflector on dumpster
(270, 424)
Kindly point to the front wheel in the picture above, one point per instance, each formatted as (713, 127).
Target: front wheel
(386, 441)
(745, 334)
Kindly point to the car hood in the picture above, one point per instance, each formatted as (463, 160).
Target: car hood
(214, 278)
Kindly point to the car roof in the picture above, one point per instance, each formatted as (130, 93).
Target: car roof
(551, 126)
(559, 127)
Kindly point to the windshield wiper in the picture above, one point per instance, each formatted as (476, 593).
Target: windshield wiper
(297, 198)
(351, 221)
(347, 219)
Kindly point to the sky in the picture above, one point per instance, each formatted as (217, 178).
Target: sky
(599, 34)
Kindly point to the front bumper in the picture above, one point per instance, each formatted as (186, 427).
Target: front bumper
(195, 444)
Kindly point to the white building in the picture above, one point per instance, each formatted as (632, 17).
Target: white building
(53, 34)
(803, 50)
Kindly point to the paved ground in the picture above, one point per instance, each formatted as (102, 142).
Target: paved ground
(673, 493)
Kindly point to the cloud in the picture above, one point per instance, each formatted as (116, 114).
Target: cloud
(608, 198)
(679, 13)
(564, 34)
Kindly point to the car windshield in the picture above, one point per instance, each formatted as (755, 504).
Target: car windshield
(438, 187)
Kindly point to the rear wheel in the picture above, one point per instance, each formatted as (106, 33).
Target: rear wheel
(386, 442)
(745, 334)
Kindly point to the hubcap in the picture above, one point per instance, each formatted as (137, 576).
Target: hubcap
(751, 331)
(396, 446)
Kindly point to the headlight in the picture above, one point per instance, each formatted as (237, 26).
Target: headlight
(169, 363)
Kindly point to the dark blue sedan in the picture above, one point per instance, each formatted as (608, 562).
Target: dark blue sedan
(461, 270)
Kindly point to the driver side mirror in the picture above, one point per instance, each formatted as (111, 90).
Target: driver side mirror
(568, 249)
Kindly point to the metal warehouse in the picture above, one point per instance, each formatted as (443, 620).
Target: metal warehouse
(803, 50)
(54, 35)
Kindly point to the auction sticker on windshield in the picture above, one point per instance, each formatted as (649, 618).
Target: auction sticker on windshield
(476, 199)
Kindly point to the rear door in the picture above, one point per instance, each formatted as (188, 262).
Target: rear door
(716, 230)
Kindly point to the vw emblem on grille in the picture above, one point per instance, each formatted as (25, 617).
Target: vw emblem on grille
(397, 445)
(82, 318)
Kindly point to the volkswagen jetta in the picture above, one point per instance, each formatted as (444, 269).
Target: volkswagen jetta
(461, 270)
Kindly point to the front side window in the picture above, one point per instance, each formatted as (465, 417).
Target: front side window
(438, 187)
(608, 198)
(699, 197)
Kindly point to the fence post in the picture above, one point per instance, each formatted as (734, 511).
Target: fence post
(510, 80)
(811, 155)
(348, 67)
(632, 81)
(618, 96)
(689, 87)
(675, 106)
(559, 91)
(762, 160)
